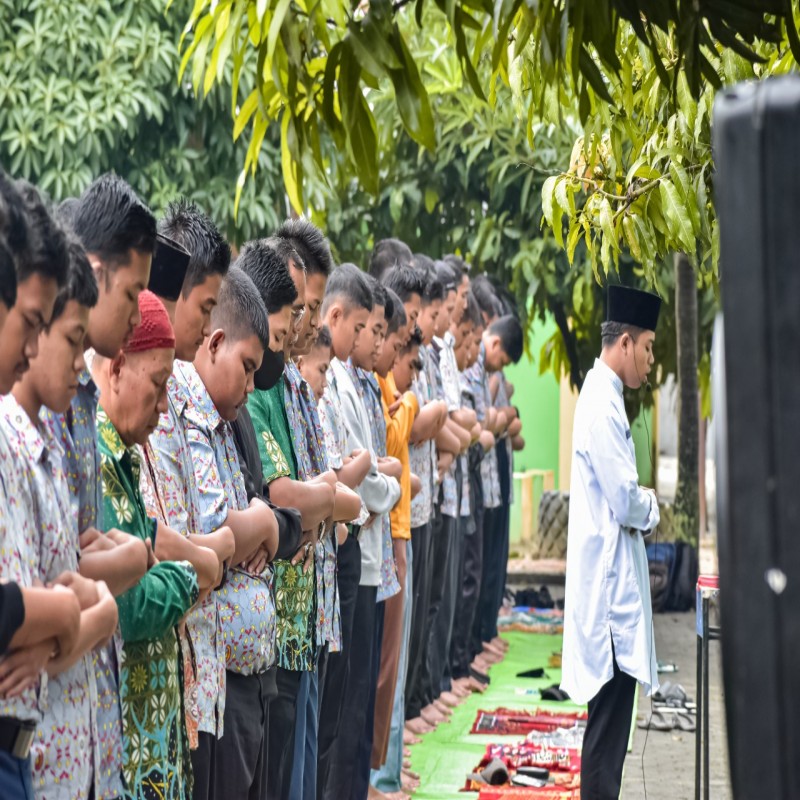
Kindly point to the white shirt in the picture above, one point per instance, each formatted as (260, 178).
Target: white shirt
(608, 584)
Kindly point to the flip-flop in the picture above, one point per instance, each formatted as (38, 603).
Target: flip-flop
(536, 672)
(554, 693)
(686, 722)
(657, 722)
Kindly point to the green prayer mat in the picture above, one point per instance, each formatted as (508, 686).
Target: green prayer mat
(445, 757)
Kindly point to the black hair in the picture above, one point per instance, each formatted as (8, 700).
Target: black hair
(47, 253)
(81, 284)
(397, 318)
(405, 281)
(485, 294)
(389, 253)
(414, 340)
(379, 295)
(509, 330)
(611, 331)
(349, 282)
(472, 313)
(324, 338)
(111, 220)
(65, 211)
(269, 272)
(310, 243)
(190, 227)
(8, 276)
(286, 252)
(458, 265)
(434, 288)
(447, 276)
(240, 311)
(14, 235)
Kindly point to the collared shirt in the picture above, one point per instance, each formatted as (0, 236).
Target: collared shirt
(155, 750)
(467, 401)
(170, 494)
(420, 455)
(245, 603)
(63, 753)
(398, 432)
(295, 590)
(76, 432)
(608, 584)
(478, 379)
(312, 460)
(389, 586)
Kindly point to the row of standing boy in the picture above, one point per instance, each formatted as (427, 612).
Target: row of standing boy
(254, 520)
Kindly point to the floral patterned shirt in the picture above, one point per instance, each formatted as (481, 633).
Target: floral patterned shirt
(295, 590)
(156, 762)
(451, 394)
(76, 432)
(389, 586)
(63, 752)
(245, 603)
(419, 455)
(170, 493)
(468, 401)
(312, 460)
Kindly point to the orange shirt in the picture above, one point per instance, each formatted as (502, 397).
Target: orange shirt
(398, 432)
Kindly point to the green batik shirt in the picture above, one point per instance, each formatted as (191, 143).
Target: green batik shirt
(155, 762)
(295, 590)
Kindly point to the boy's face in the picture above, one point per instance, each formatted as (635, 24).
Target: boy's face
(461, 299)
(496, 356)
(428, 320)
(192, 322)
(298, 307)
(24, 322)
(413, 306)
(280, 324)
(55, 370)
(315, 292)
(112, 320)
(446, 313)
(345, 324)
(365, 351)
(405, 368)
(388, 353)
(460, 330)
(314, 368)
(227, 368)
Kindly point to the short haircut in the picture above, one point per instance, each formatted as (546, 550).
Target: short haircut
(349, 283)
(286, 251)
(434, 288)
(47, 252)
(611, 331)
(324, 338)
(405, 281)
(397, 318)
(414, 340)
(14, 236)
(8, 276)
(485, 294)
(240, 311)
(379, 295)
(509, 330)
(269, 272)
(472, 313)
(310, 243)
(66, 210)
(447, 276)
(389, 253)
(459, 266)
(81, 285)
(189, 226)
(111, 220)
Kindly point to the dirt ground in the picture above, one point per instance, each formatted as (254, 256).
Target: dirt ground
(669, 756)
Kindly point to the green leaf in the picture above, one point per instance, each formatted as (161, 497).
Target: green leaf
(677, 217)
(573, 237)
(548, 191)
(245, 113)
(431, 200)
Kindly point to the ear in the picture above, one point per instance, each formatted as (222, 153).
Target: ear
(336, 314)
(99, 268)
(214, 343)
(114, 367)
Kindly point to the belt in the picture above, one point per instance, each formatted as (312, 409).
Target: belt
(16, 737)
(355, 531)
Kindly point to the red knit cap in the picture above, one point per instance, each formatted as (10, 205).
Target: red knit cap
(155, 329)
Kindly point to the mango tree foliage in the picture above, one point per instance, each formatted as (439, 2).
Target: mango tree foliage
(90, 87)
(311, 65)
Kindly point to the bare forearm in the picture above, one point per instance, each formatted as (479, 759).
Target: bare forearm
(251, 528)
(121, 567)
(47, 615)
(314, 501)
(447, 441)
(94, 629)
(465, 418)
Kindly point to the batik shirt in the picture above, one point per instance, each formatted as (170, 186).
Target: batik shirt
(170, 494)
(76, 432)
(467, 401)
(62, 754)
(245, 603)
(156, 762)
(295, 590)
(389, 586)
(18, 563)
(451, 394)
(303, 417)
(419, 455)
(478, 380)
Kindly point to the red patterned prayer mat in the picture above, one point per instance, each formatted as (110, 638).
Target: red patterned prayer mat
(508, 721)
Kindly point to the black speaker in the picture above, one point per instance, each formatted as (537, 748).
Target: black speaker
(756, 139)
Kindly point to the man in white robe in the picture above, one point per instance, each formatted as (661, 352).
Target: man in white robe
(608, 627)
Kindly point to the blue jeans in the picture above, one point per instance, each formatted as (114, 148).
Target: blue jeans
(387, 778)
(15, 777)
(304, 767)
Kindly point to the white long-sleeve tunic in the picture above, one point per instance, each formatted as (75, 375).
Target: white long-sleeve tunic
(607, 586)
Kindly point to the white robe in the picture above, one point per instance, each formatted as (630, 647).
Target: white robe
(608, 584)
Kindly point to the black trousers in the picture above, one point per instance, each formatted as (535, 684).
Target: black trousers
(463, 648)
(438, 566)
(493, 573)
(441, 629)
(421, 547)
(282, 721)
(239, 760)
(334, 668)
(605, 741)
(342, 774)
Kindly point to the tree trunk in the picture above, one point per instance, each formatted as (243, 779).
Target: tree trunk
(686, 511)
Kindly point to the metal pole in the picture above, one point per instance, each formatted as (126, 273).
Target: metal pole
(706, 603)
